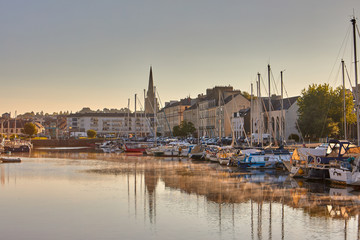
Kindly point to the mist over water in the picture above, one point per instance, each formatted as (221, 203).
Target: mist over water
(83, 195)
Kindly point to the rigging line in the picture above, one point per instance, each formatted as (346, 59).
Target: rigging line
(336, 79)
(274, 83)
(167, 122)
(264, 86)
(326, 115)
(243, 127)
(337, 57)
(297, 119)
(346, 41)
(347, 74)
(147, 119)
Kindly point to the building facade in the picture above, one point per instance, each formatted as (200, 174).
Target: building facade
(172, 115)
(277, 123)
(213, 112)
(119, 124)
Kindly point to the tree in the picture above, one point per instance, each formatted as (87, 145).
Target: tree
(246, 95)
(186, 128)
(29, 129)
(321, 111)
(91, 133)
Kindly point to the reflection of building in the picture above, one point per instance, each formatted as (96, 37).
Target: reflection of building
(151, 180)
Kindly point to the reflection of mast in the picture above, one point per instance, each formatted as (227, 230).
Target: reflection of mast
(128, 185)
(252, 220)
(358, 227)
(282, 220)
(2, 175)
(135, 190)
(259, 220)
(345, 229)
(220, 216)
(270, 234)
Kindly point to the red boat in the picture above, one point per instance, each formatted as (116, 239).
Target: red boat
(134, 149)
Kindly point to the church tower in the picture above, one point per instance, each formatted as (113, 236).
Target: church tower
(151, 96)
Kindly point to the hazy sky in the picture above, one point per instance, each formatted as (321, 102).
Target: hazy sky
(65, 55)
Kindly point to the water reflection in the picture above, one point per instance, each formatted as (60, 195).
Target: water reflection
(225, 201)
(226, 186)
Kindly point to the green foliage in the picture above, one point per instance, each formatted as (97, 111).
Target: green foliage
(246, 95)
(185, 129)
(29, 129)
(91, 133)
(321, 111)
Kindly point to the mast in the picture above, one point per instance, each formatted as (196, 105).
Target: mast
(135, 119)
(251, 116)
(269, 118)
(282, 120)
(15, 125)
(343, 76)
(353, 20)
(155, 119)
(198, 122)
(258, 112)
(144, 120)
(220, 117)
(128, 120)
(261, 120)
(8, 130)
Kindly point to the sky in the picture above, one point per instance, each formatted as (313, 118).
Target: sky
(66, 55)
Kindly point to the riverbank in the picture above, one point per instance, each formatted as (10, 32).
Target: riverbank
(66, 142)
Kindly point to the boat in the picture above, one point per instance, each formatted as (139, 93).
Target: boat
(134, 148)
(10, 160)
(348, 172)
(337, 152)
(298, 163)
(17, 146)
(265, 159)
(197, 153)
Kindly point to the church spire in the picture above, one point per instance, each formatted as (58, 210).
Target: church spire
(150, 95)
(150, 92)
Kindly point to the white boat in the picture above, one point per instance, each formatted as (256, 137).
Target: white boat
(347, 173)
(265, 159)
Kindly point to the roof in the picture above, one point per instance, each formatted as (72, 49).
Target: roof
(95, 114)
(276, 103)
(182, 102)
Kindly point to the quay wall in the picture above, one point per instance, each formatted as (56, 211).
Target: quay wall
(65, 142)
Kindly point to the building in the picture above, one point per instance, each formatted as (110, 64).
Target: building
(240, 122)
(151, 100)
(172, 115)
(11, 126)
(212, 113)
(119, 124)
(278, 124)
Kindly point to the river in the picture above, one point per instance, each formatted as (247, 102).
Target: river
(84, 195)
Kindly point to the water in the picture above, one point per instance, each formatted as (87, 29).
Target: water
(81, 195)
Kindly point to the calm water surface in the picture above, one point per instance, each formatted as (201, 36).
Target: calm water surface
(80, 195)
